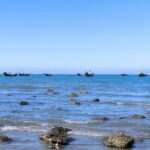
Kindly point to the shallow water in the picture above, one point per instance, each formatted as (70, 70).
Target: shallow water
(120, 97)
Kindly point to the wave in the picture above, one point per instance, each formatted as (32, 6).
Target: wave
(125, 95)
(23, 87)
(76, 122)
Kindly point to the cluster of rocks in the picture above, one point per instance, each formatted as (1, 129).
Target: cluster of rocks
(57, 137)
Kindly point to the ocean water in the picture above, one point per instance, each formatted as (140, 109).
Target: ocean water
(120, 97)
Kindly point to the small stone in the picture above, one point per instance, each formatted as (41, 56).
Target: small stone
(83, 92)
(49, 90)
(96, 100)
(55, 93)
(73, 95)
(136, 116)
(102, 118)
(24, 103)
(122, 118)
(77, 103)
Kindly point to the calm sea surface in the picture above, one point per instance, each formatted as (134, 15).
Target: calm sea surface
(120, 97)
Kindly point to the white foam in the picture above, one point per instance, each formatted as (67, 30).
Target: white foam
(76, 122)
(22, 128)
(89, 133)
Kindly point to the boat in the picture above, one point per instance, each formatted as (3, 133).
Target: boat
(9, 74)
(142, 74)
(47, 74)
(24, 74)
(79, 74)
(89, 74)
(124, 74)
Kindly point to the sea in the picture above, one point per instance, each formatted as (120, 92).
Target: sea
(50, 105)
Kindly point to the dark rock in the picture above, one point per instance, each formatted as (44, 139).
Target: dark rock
(77, 103)
(73, 95)
(24, 103)
(136, 116)
(96, 100)
(57, 137)
(4, 138)
(119, 141)
(122, 118)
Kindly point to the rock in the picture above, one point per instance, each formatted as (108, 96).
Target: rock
(57, 137)
(77, 103)
(73, 95)
(96, 100)
(83, 92)
(24, 103)
(4, 138)
(119, 141)
(136, 116)
(102, 118)
(49, 90)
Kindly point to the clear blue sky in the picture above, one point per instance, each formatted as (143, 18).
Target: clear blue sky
(67, 36)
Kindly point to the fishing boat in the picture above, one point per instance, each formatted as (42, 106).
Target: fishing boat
(142, 74)
(47, 74)
(24, 74)
(89, 74)
(124, 74)
(79, 74)
(9, 74)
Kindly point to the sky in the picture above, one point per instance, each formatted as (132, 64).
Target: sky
(69, 36)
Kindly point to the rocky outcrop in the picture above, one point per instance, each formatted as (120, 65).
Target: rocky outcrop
(4, 138)
(57, 137)
(24, 103)
(119, 141)
(136, 116)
